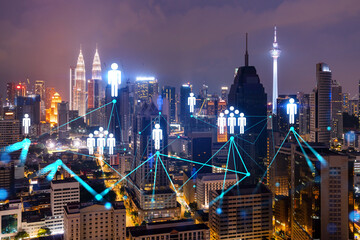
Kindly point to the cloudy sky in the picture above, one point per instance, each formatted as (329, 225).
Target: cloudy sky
(197, 41)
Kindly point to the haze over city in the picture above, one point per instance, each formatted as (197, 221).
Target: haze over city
(180, 41)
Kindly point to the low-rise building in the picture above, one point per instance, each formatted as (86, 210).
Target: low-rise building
(95, 221)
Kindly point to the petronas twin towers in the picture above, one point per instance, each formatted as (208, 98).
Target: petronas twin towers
(83, 95)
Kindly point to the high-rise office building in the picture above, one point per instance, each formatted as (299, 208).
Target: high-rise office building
(95, 221)
(224, 93)
(40, 88)
(62, 192)
(9, 132)
(169, 94)
(304, 113)
(345, 102)
(79, 90)
(49, 93)
(10, 93)
(320, 106)
(63, 119)
(247, 95)
(282, 118)
(151, 185)
(94, 84)
(321, 198)
(52, 112)
(242, 213)
(71, 87)
(336, 110)
(185, 91)
(146, 88)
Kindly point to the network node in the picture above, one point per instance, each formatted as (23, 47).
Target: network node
(139, 132)
(152, 200)
(59, 162)
(194, 186)
(248, 174)
(218, 211)
(277, 184)
(108, 205)
(270, 116)
(292, 128)
(124, 149)
(221, 195)
(125, 197)
(232, 138)
(150, 170)
(328, 128)
(178, 136)
(3, 194)
(98, 197)
(191, 115)
(157, 153)
(159, 113)
(114, 100)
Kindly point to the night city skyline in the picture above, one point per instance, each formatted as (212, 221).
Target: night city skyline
(180, 120)
(176, 43)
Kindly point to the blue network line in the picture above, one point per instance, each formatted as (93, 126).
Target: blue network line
(311, 166)
(24, 145)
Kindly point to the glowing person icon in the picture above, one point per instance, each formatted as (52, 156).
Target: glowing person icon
(291, 110)
(221, 123)
(191, 102)
(101, 144)
(90, 143)
(242, 122)
(26, 123)
(111, 143)
(157, 136)
(114, 78)
(231, 123)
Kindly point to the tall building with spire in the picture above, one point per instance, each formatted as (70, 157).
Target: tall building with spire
(247, 94)
(275, 53)
(94, 84)
(95, 91)
(79, 90)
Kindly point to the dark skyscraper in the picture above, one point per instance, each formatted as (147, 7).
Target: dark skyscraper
(169, 93)
(320, 106)
(185, 91)
(63, 118)
(247, 94)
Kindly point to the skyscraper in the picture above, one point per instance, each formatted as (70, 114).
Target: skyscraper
(185, 91)
(40, 88)
(72, 85)
(336, 110)
(275, 53)
(320, 106)
(79, 90)
(151, 189)
(247, 94)
(169, 93)
(146, 88)
(94, 84)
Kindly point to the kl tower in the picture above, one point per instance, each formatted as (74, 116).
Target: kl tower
(275, 53)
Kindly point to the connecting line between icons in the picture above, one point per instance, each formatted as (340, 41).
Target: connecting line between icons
(24, 145)
(311, 166)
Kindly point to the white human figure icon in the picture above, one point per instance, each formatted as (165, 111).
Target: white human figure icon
(231, 123)
(157, 136)
(111, 143)
(221, 123)
(242, 122)
(291, 110)
(114, 78)
(26, 123)
(101, 143)
(191, 102)
(90, 143)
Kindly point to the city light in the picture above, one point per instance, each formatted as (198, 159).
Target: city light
(145, 78)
